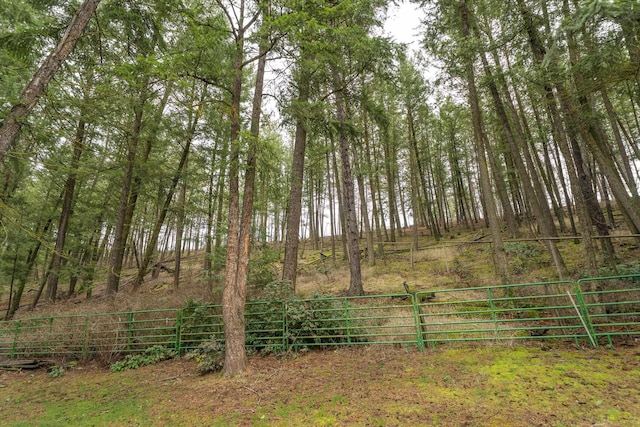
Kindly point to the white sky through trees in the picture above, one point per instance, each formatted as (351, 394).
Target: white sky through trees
(403, 23)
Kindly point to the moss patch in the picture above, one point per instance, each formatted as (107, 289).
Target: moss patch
(378, 386)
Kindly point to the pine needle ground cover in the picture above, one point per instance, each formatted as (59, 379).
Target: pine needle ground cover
(488, 386)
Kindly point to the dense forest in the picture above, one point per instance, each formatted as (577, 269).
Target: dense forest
(136, 129)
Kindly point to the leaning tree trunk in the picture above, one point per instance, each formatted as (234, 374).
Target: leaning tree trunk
(527, 173)
(573, 163)
(164, 210)
(355, 282)
(178, 251)
(121, 230)
(132, 181)
(22, 278)
(40, 80)
(485, 184)
(65, 215)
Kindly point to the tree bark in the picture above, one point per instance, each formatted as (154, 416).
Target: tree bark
(235, 359)
(65, 215)
(364, 210)
(355, 281)
(572, 157)
(234, 294)
(372, 188)
(178, 252)
(413, 144)
(32, 256)
(527, 173)
(478, 131)
(152, 243)
(40, 80)
(250, 174)
(121, 230)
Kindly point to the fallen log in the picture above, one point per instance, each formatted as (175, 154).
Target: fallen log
(20, 364)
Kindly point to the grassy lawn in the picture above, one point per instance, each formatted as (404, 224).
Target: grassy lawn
(367, 386)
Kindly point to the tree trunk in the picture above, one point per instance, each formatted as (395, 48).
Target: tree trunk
(528, 174)
(332, 215)
(208, 248)
(152, 243)
(177, 270)
(250, 175)
(40, 80)
(239, 229)
(364, 209)
(294, 206)
(24, 274)
(65, 215)
(373, 192)
(341, 201)
(121, 231)
(502, 267)
(219, 223)
(371, 256)
(355, 281)
(573, 160)
(391, 193)
(235, 359)
(413, 144)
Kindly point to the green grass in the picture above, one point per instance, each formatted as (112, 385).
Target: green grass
(488, 386)
(64, 403)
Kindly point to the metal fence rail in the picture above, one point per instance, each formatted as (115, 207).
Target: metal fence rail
(593, 311)
(500, 313)
(612, 305)
(380, 319)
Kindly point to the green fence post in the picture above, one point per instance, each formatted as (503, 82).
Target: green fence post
(85, 343)
(285, 341)
(48, 344)
(493, 313)
(130, 330)
(178, 344)
(348, 324)
(418, 322)
(582, 305)
(14, 348)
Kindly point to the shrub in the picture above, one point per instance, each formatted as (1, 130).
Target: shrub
(199, 322)
(261, 268)
(209, 356)
(461, 269)
(150, 356)
(57, 371)
(523, 255)
(623, 269)
(314, 321)
(522, 250)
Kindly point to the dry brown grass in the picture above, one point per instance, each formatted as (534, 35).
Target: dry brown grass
(453, 262)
